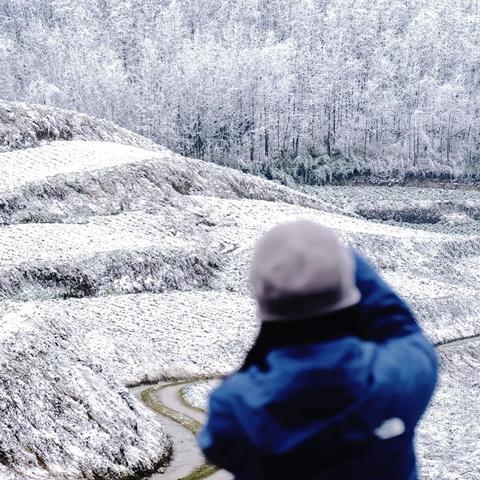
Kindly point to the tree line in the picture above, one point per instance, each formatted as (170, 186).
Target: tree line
(307, 89)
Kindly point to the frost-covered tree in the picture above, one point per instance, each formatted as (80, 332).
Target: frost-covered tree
(306, 88)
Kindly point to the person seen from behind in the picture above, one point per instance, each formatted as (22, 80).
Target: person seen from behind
(338, 377)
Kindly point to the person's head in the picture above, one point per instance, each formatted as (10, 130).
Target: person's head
(301, 270)
(303, 279)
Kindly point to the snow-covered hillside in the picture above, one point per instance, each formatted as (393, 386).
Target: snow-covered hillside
(449, 437)
(62, 413)
(456, 210)
(122, 264)
(25, 125)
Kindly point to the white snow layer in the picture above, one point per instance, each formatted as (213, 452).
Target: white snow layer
(197, 394)
(25, 125)
(121, 265)
(62, 414)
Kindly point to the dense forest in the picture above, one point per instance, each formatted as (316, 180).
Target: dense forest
(309, 89)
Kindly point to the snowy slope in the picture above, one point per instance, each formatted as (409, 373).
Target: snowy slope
(197, 394)
(62, 414)
(25, 125)
(149, 337)
(81, 179)
(454, 211)
(129, 264)
(449, 437)
(125, 253)
(35, 165)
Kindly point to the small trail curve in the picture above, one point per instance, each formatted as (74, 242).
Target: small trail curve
(182, 423)
(458, 341)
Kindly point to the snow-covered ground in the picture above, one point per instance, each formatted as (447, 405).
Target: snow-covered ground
(63, 414)
(126, 253)
(24, 125)
(196, 394)
(449, 438)
(433, 209)
(149, 337)
(123, 264)
(37, 164)
(124, 179)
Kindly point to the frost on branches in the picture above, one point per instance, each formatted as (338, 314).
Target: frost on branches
(305, 89)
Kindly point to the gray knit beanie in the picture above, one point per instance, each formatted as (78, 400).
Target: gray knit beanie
(301, 270)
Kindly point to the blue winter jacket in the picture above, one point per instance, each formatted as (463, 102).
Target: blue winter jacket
(342, 408)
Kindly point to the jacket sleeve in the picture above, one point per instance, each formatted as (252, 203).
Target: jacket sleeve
(406, 369)
(383, 314)
(405, 362)
(220, 439)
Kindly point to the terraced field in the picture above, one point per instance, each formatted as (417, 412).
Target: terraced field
(123, 265)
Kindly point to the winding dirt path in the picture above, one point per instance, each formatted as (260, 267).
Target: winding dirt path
(182, 423)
